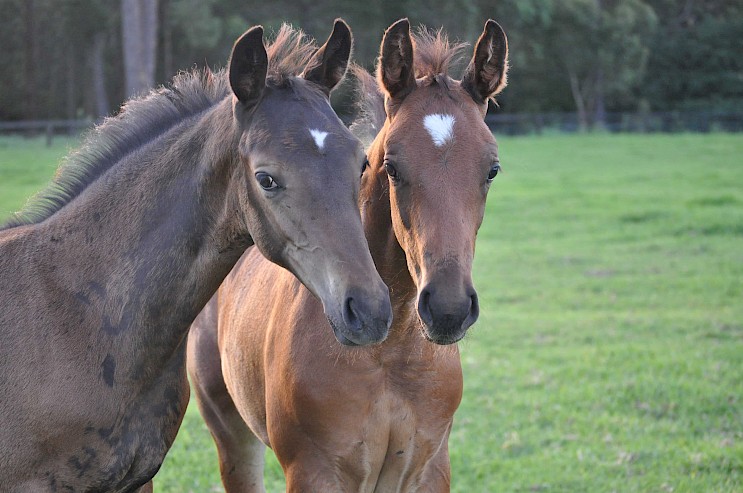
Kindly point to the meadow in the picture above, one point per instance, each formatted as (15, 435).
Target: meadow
(609, 352)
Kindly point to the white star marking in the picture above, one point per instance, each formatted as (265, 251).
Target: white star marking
(441, 128)
(319, 137)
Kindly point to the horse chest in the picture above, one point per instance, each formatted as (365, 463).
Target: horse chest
(397, 441)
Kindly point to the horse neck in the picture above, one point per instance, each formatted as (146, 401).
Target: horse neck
(146, 245)
(389, 256)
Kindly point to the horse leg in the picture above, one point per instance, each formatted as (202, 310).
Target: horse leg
(241, 453)
(311, 475)
(436, 476)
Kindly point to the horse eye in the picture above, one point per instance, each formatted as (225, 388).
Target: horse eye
(391, 171)
(493, 172)
(266, 181)
(364, 166)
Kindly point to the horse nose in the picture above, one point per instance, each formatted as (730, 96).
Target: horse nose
(367, 322)
(447, 317)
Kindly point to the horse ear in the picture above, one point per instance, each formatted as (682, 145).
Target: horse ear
(249, 66)
(395, 68)
(486, 74)
(329, 63)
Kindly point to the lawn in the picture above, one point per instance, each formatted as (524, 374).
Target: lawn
(609, 351)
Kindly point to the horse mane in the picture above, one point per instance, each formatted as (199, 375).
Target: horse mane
(145, 118)
(370, 113)
(434, 57)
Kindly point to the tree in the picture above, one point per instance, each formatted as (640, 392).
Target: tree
(139, 36)
(601, 47)
(696, 61)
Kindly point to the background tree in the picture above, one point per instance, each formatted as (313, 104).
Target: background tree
(696, 61)
(139, 35)
(595, 48)
(82, 58)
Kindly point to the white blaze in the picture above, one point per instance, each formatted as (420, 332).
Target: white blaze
(441, 128)
(319, 137)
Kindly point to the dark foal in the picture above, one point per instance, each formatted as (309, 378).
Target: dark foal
(101, 278)
(265, 367)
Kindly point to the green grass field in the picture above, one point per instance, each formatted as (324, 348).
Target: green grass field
(609, 352)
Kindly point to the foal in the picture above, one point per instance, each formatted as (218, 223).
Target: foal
(265, 368)
(101, 278)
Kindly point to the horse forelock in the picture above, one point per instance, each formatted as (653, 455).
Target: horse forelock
(288, 54)
(435, 55)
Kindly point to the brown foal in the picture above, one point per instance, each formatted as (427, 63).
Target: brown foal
(264, 364)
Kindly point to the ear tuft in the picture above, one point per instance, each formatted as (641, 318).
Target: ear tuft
(248, 67)
(487, 73)
(328, 65)
(395, 69)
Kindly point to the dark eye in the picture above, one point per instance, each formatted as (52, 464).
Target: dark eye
(391, 171)
(364, 166)
(493, 171)
(266, 181)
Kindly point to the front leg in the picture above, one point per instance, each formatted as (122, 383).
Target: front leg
(312, 475)
(436, 477)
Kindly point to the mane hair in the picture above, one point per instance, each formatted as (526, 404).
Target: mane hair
(145, 118)
(370, 113)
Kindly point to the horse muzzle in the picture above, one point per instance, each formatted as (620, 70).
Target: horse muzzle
(364, 319)
(446, 315)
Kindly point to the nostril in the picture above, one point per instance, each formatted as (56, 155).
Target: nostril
(424, 306)
(350, 317)
(474, 308)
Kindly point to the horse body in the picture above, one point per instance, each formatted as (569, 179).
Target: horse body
(265, 367)
(98, 295)
(380, 425)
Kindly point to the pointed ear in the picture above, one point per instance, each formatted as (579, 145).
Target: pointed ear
(486, 74)
(328, 65)
(395, 68)
(248, 67)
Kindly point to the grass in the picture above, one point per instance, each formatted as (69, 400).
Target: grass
(25, 166)
(609, 352)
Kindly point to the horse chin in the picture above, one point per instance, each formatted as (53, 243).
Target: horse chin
(445, 339)
(338, 333)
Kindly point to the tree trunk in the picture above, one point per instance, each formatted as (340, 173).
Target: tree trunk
(102, 109)
(31, 58)
(599, 114)
(71, 82)
(580, 103)
(167, 36)
(139, 33)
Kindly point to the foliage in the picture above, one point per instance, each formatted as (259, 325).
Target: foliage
(696, 62)
(586, 55)
(609, 352)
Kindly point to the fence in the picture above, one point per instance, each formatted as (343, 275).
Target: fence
(501, 123)
(49, 128)
(668, 122)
